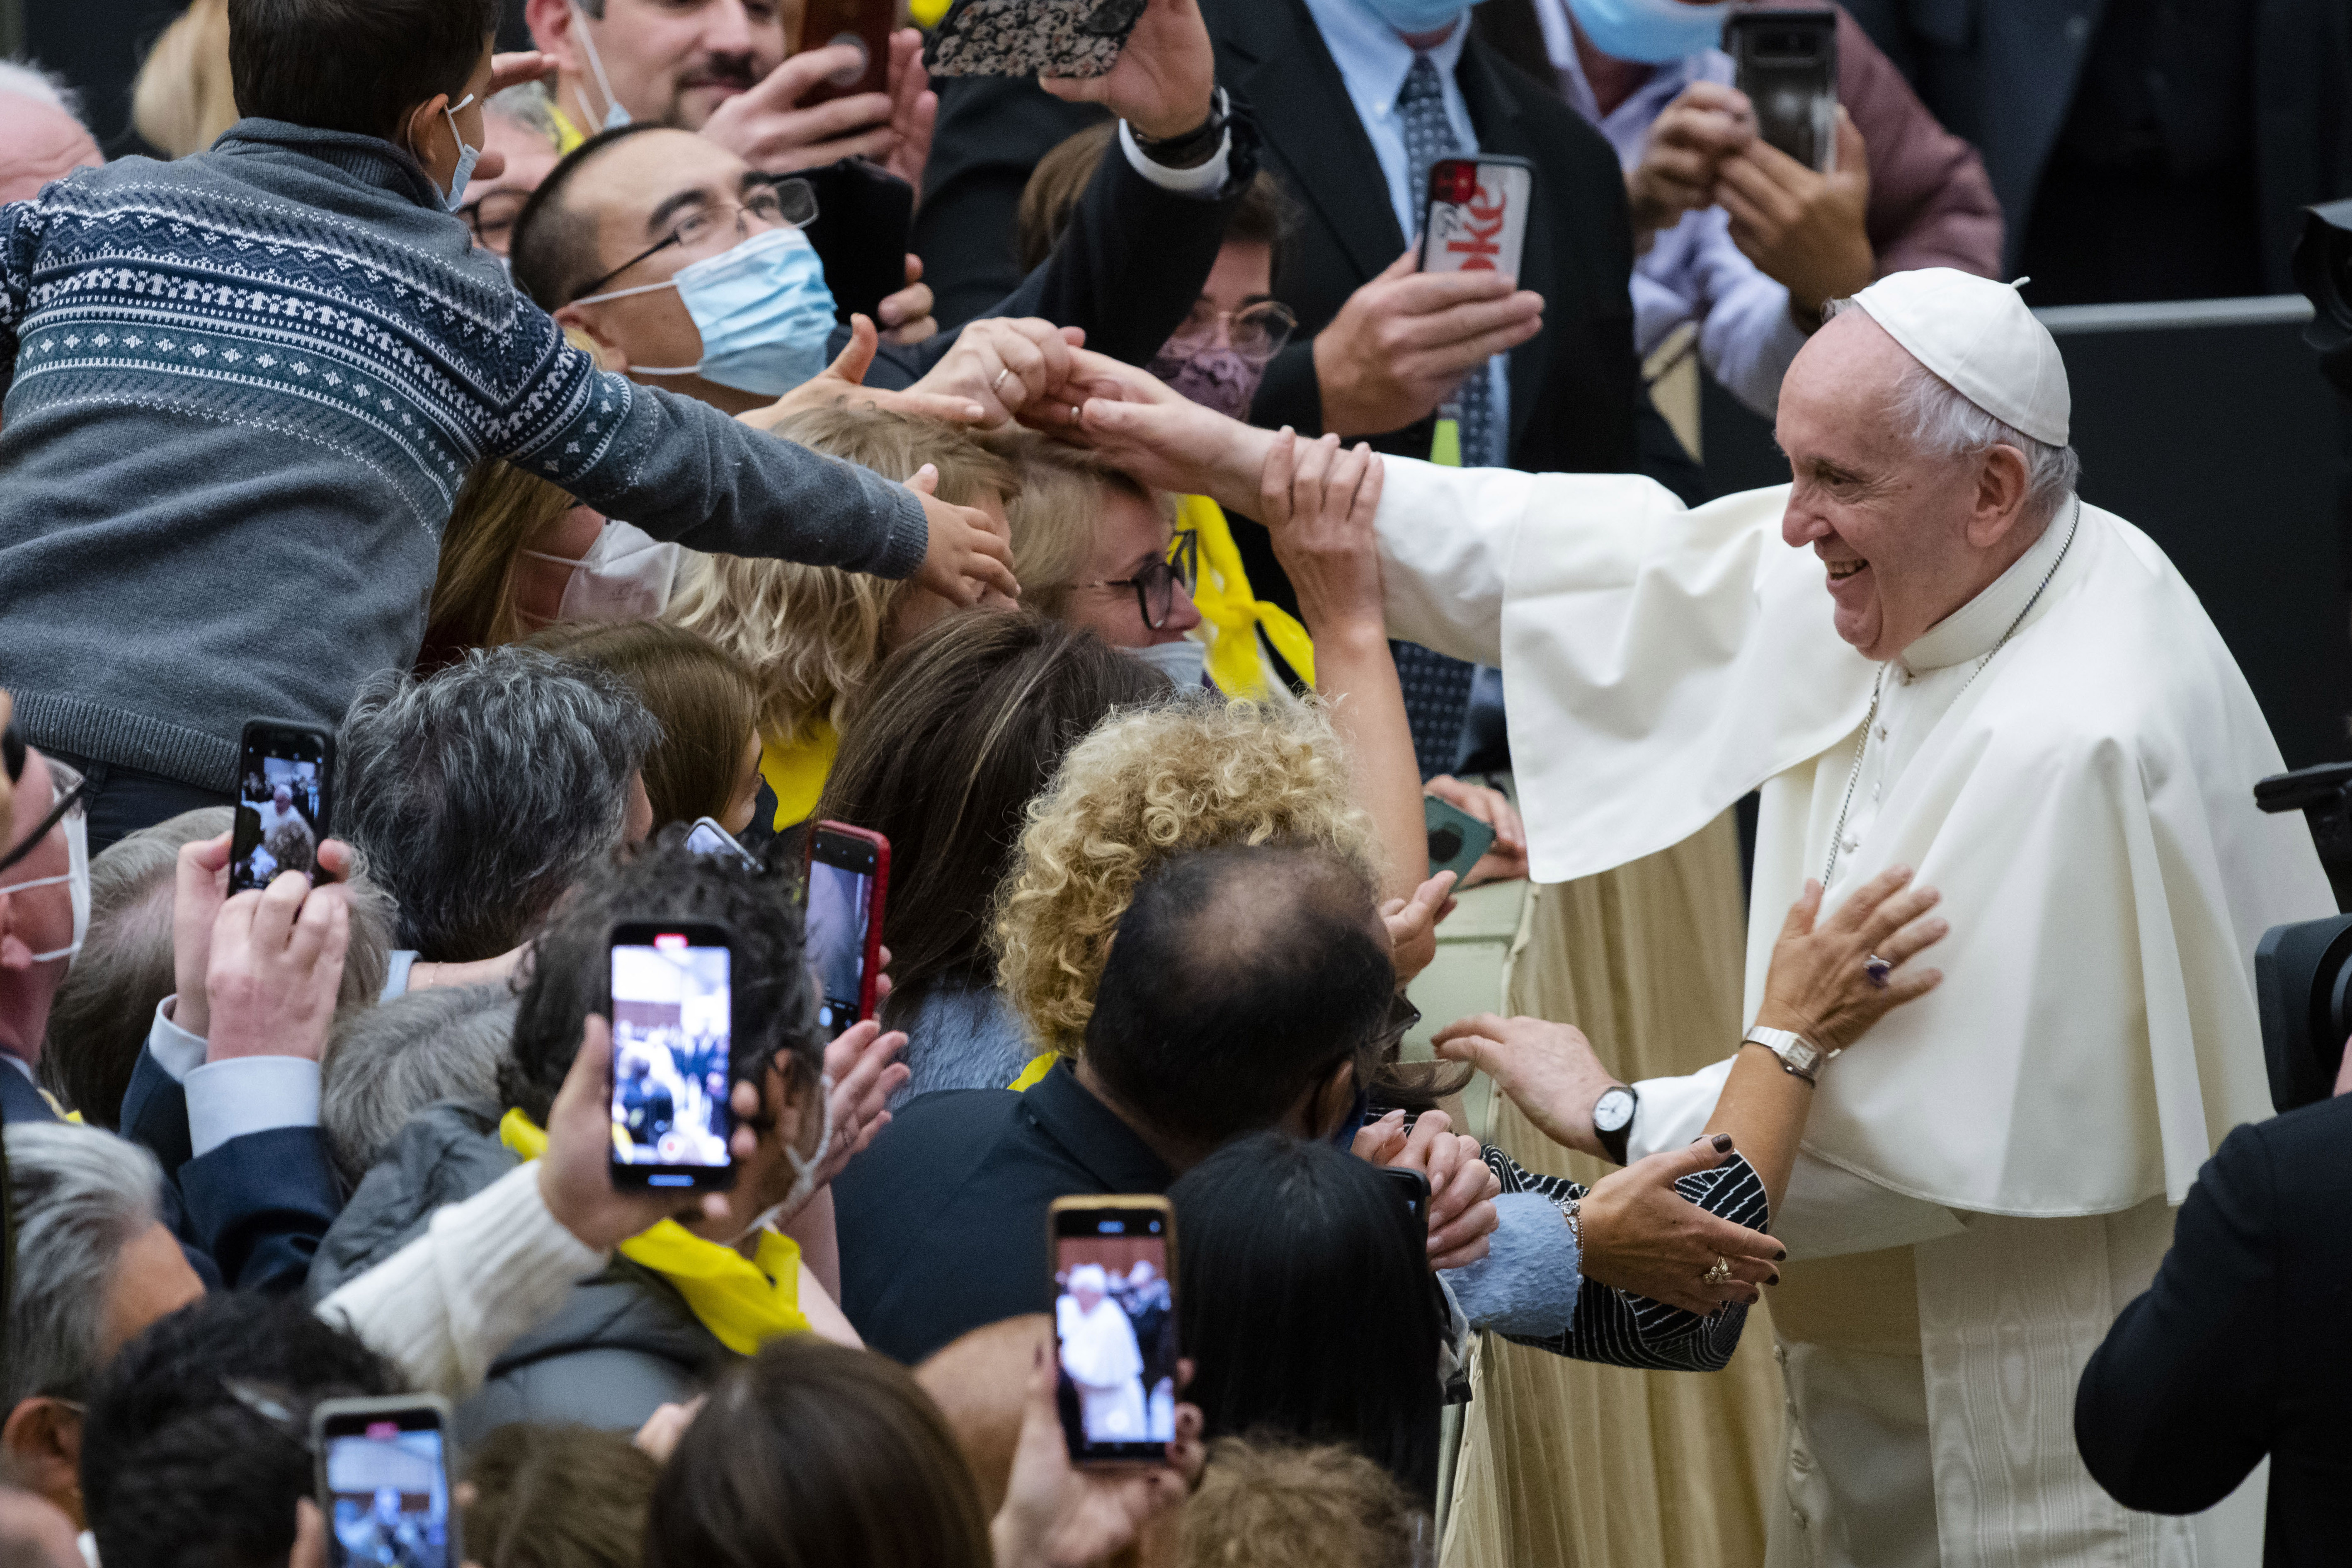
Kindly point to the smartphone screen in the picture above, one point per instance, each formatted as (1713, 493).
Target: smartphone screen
(673, 1024)
(387, 1486)
(1115, 1326)
(846, 871)
(281, 803)
(707, 838)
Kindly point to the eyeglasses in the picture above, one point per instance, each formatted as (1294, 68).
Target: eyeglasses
(492, 216)
(781, 202)
(1257, 333)
(1155, 585)
(67, 789)
(1403, 1016)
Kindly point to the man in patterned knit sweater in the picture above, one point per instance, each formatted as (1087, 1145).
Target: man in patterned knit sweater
(242, 389)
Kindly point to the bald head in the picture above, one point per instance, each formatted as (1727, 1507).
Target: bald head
(980, 1382)
(39, 142)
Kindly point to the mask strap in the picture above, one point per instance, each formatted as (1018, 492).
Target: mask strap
(625, 293)
(595, 64)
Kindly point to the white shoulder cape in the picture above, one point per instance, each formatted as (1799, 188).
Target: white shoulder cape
(2085, 808)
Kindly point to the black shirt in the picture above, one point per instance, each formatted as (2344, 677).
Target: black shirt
(942, 1222)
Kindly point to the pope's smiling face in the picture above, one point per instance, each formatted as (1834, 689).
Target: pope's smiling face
(1892, 528)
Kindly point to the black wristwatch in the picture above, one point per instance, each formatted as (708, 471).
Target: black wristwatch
(1613, 1119)
(1194, 147)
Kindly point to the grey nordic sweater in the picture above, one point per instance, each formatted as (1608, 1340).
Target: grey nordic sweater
(241, 392)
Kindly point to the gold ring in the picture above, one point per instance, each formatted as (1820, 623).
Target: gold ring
(1718, 1272)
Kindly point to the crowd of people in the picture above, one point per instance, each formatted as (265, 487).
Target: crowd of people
(1142, 552)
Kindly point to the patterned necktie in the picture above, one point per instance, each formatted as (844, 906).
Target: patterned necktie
(1437, 688)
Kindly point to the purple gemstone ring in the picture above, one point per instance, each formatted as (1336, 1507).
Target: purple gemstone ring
(1875, 970)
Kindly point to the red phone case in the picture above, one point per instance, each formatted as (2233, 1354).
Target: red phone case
(1477, 220)
(872, 967)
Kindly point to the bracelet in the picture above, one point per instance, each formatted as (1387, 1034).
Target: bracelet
(1194, 147)
(1568, 1211)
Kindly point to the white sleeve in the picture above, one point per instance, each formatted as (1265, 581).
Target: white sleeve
(1203, 180)
(1446, 536)
(486, 1272)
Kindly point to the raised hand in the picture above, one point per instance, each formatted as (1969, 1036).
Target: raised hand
(1821, 984)
(275, 967)
(863, 1063)
(1802, 229)
(1506, 859)
(1005, 364)
(1686, 144)
(1319, 500)
(767, 128)
(1165, 78)
(1548, 1069)
(1404, 341)
(1412, 923)
(906, 314)
(1056, 1515)
(845, 378)
(967, 558)
(575, 1175)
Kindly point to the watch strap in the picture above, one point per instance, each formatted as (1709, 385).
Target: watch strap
(1613, 1143)
(1799, 1058)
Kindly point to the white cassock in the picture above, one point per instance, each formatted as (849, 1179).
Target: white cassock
(1099, 1352)
(1990, 1174)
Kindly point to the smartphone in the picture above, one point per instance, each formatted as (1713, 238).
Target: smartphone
(673, 990)
(864, 218)
(1476, 219)
(384, 1481)
(865, 26)
(1414, 1187)
(1786, 64)
(285, 776)
(1456, 839)
(1031, 38)
(707, 838)
(1113, 1261)
(848, 871)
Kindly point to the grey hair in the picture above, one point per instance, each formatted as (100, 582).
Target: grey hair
(1940, 422)
(484, 791)
(528, 105)
(23, 78)
(386, 1064)
(80, 1196)
(106, 1004)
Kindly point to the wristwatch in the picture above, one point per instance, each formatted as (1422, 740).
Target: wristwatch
(1799, 1058)
(1613, 1119)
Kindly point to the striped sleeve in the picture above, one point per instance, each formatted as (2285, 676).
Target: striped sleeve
(1619, 1328)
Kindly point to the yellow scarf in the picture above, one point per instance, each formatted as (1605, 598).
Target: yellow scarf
(744, 1301)
(1039, 1066)
(567, 135)
(796, 770)
(1231, 614)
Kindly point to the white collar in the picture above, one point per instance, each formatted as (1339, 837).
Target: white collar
(1371, 58)
(1976, 628)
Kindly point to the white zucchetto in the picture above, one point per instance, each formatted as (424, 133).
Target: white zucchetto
(1980, 336)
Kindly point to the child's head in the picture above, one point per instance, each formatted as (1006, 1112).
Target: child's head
(364, 66)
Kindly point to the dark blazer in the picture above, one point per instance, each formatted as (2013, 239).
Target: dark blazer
(1128, 270)
(2239, 1348)
(2003, 73)
(257, 1206)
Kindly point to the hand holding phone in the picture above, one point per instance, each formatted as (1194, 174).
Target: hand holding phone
(1787, 64)
(1113, 1265)
(1032, 37)
(1476, 219)
(385, 1480)
(1457, 840)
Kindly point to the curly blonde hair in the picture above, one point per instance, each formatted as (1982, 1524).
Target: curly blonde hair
(1146, 785)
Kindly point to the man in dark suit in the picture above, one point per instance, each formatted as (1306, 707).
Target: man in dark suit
(2140, 151)
(2240, 1349)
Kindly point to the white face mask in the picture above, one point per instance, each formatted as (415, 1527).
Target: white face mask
(77, 877)
(1185, 662)
(804, 1170)
(614, 115)
(626, 575)
(454, 196)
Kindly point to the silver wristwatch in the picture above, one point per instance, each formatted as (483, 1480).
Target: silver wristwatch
(1798, 1055)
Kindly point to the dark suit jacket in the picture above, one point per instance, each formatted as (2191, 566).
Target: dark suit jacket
(942, 1222)
(1128, 270)
(2240, 1349)
(257, 1206)
(2003, 73)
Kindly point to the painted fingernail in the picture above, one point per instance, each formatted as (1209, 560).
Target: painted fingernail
(1723, 1142)
(1781, 1255)
(1775, 1280)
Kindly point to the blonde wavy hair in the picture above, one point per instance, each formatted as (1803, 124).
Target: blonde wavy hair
(1145, 785)
(812, 636)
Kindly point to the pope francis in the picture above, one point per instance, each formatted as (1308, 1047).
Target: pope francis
(1926, 650)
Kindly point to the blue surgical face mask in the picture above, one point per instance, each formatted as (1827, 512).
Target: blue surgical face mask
(762, 308)
(1655, 32)
(454, 196)
(1419, 16)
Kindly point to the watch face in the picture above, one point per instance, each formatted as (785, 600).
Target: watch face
(1612, 1109)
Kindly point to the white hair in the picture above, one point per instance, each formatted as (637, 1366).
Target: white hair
(21, 78)
(81, 1196)
(527, 104)
(1941, 423)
